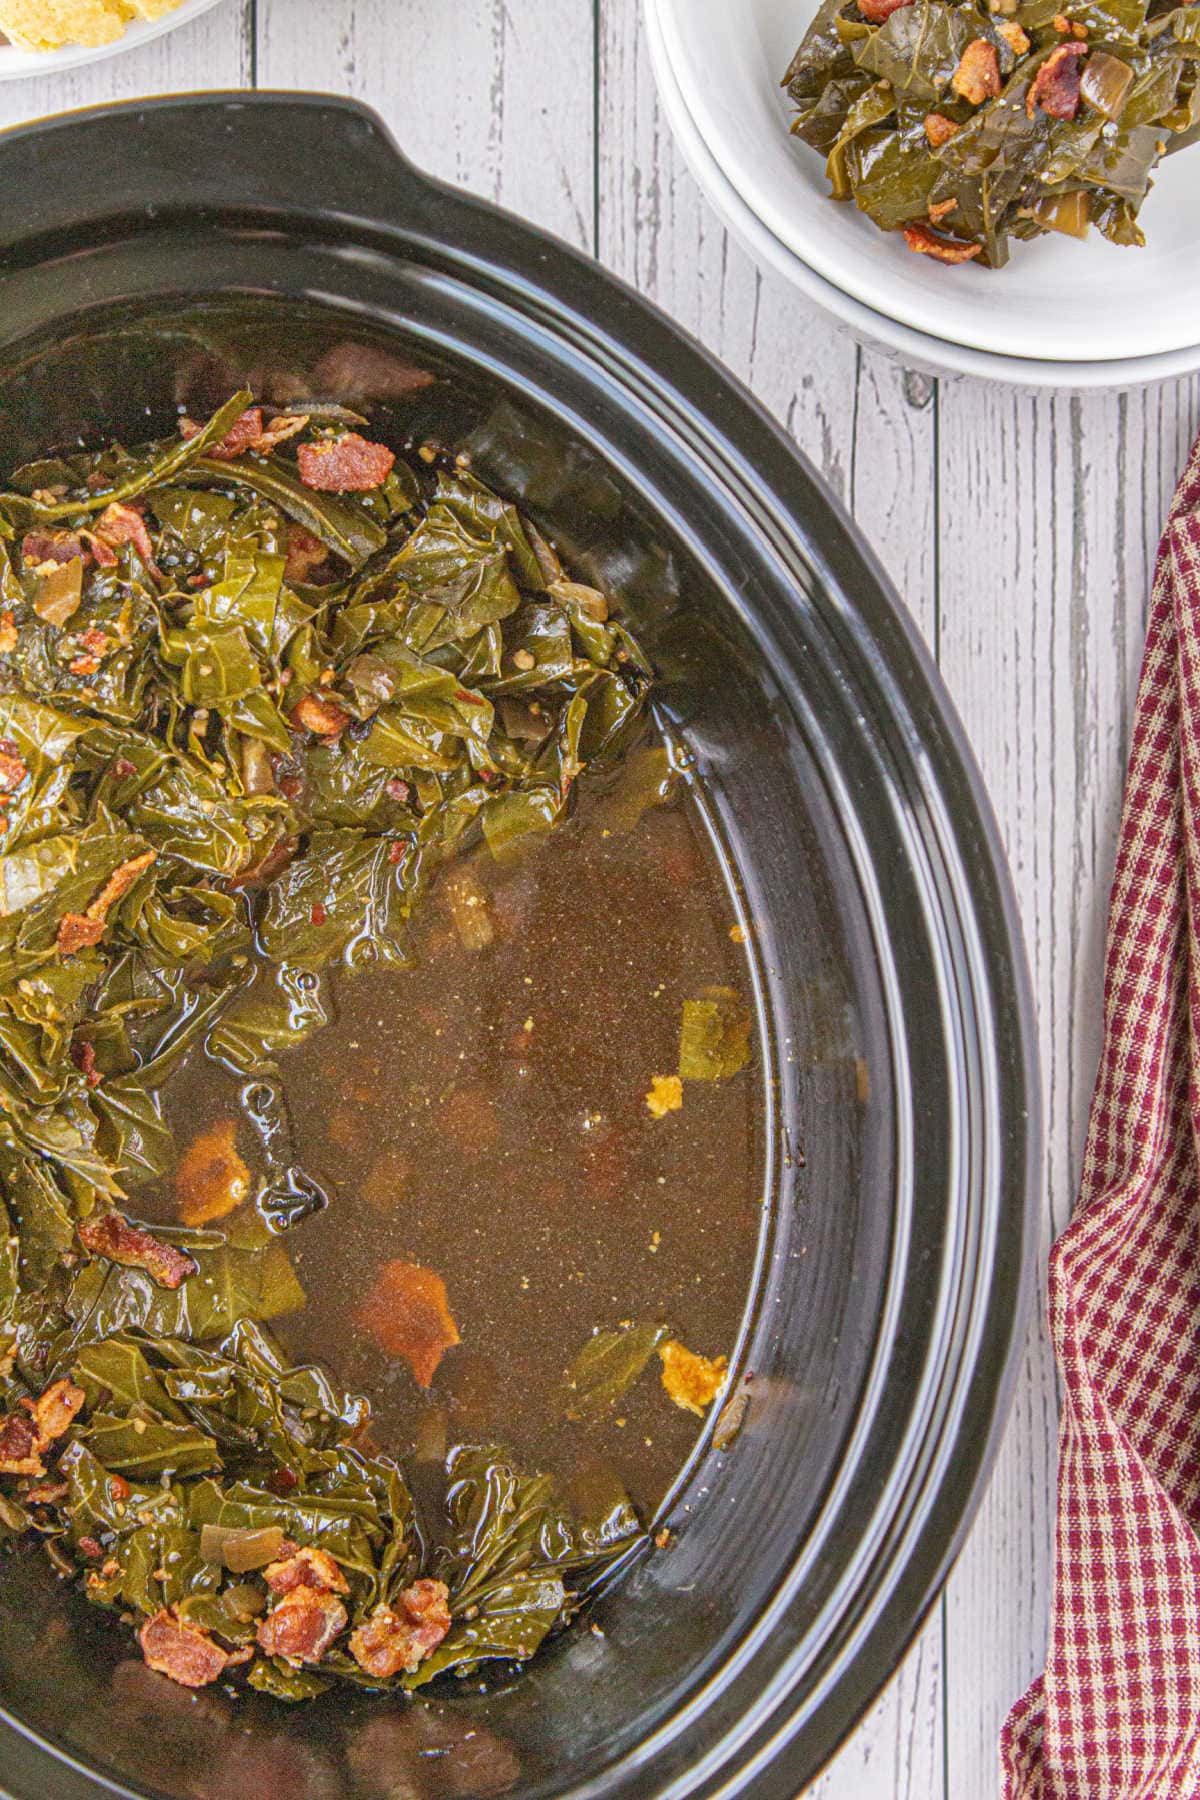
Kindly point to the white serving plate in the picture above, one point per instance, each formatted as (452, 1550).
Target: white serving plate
(1058, 302)
(914, 348)
(17, 65)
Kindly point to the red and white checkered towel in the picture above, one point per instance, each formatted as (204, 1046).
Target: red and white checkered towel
(1116, 1716)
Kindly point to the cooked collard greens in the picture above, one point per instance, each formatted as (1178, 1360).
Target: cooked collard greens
(257, 683)
(964, 125)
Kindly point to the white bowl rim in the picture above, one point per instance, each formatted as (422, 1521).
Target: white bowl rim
(22, 65)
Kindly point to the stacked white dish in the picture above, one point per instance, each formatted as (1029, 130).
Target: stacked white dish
(1061, 314)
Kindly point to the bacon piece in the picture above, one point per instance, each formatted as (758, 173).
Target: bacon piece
(56, 1410)
(119, 524)
(110, 1234)
(77, 930)
(27, 1434)
(12, 767)
(977, 77)
(408, 1314)
(49, 1493)
(211, 1179)
(10, 637)
(38, 547)
(350, 372)
(876, 11)
(183, 1652)
(324, 718)
(948, 250)
(345, 465)
(1055, 87)
(401, 1637)
(305, 553)
(1016, 39)
(939, 129)
(83, 1055)
(303, 1626)
(20, 1446)
(306, 1568)
(248, 433)
(103, 552)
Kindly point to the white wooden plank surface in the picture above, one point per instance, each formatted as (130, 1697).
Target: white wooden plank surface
(1020, 530)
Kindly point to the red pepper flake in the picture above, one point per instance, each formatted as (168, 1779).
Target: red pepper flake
(396, 789)
(318, 915)
(1055, 87)
(396, 852)
(345, 465)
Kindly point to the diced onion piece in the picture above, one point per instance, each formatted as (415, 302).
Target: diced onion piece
(241, 1548)
(1105, 83)
(1067, 213)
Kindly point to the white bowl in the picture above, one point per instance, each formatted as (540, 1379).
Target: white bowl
(1057, 301)
(18, 64)
(914, 348)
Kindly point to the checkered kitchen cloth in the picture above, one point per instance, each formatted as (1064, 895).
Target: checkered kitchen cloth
(1116, 1716)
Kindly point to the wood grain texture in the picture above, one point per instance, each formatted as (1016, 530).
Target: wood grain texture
(1020, 531)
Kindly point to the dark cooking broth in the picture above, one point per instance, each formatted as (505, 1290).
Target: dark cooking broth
(483, 1114)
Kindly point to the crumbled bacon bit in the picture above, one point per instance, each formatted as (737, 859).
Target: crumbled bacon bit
(79, 930)
(110, 1234)
(83, 1055)
(308, 1568)
(119, 524)
(345, 465)
(118, 1489)
(282, 1482)
(939, 129)
(318, 914)
(977, 77)
(303, 1625)
(1055, 87)
(183, 1652)
(248, 433)
(938, 209)
(408, 1314)
(49, 1493)
(40, 547)
(84, 665)
(103, 552)
(26, 1435)
(397, 790)
(211, 1179)
(396, 852)
(876, 11)
(1016, 39)
(20, 1447)
(123, 767)
(324, 718)
(12, 767)
(57, 1409)
(90, 1548)
(401, 1637)
(948, 250)
(305, 553)
(9, 635)
(98, 642)
(1061, 24)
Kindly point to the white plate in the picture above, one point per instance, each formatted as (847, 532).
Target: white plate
(16, 65)
(913, 347)
(1057, 300)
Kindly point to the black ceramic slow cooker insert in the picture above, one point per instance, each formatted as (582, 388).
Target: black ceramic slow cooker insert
(142, 244)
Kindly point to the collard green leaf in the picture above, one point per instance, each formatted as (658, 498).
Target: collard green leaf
(714, 1036)
(607, 1367)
